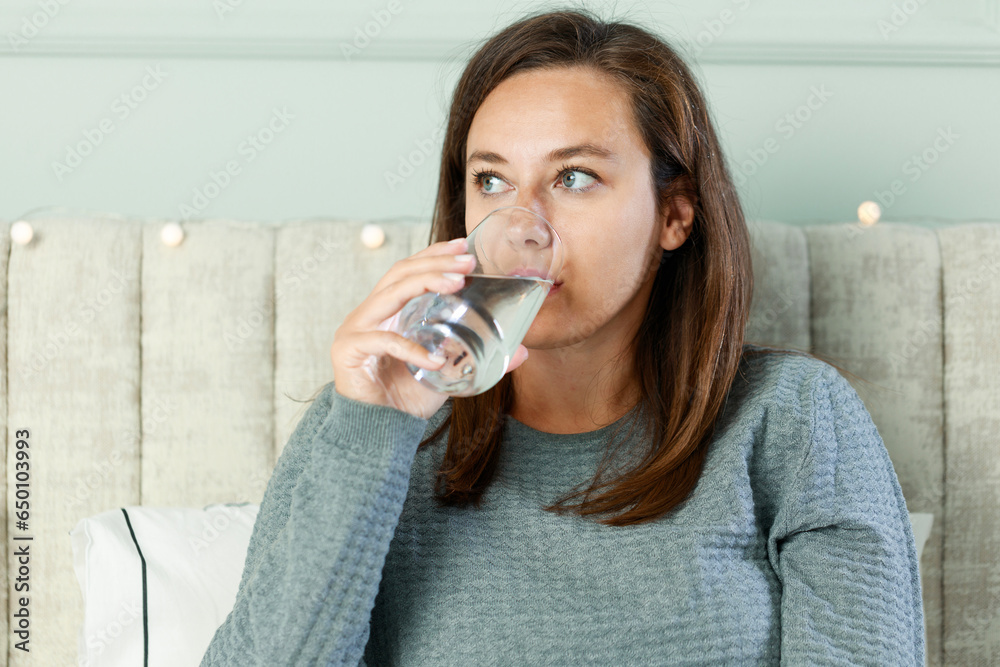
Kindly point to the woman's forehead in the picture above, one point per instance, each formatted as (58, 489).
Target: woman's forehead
(532, 114)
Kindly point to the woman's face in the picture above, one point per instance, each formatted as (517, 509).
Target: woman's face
(563, 143)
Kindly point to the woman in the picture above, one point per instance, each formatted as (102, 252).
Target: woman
(753, 515)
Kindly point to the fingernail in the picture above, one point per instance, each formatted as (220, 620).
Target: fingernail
(435, 358)
(460, 239)
(454, 277)
(465, 258)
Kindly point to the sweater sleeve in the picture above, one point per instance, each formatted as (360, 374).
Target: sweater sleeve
(320, 539)
(842, 544)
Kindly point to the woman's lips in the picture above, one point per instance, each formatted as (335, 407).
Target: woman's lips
(526, 273)
(530, 273)
(537, 274)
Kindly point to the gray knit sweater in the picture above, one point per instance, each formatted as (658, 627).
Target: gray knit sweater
(794, 549)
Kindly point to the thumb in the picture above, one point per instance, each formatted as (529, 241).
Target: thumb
(520, 356)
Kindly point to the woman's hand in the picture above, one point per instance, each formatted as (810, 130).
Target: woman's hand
(369, 360)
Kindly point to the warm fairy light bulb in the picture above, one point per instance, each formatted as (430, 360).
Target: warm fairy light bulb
(21, 232)
(172, 234)
(868, 213)
(372, 236)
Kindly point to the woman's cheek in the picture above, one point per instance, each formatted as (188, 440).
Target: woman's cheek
(597, 301)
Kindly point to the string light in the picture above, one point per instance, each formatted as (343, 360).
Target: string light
(869, 213)
(372, 236)
(172, 234)
(21, 232)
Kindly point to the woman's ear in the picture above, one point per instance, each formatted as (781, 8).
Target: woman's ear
(678, 218)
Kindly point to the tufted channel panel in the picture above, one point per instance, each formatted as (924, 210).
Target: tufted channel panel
(174, 375)
(970, 258)
(876, 312)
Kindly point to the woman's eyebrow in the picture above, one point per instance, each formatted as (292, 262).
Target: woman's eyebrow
(582, 150)
(486, 156)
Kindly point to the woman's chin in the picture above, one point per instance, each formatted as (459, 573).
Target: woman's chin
(538, 337)
(546, 333)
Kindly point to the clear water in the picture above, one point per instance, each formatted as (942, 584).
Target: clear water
(476, 329)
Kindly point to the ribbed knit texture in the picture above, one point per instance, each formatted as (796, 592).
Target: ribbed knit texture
(794, 549)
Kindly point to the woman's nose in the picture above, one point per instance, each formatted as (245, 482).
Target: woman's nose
(527, 230)
(536, 200)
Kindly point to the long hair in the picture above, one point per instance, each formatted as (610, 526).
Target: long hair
(689, 345)
(701, 294)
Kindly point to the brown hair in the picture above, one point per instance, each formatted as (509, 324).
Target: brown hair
(700, 298)
(701, 295)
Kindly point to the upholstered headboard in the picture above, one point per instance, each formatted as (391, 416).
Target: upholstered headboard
(154, 374)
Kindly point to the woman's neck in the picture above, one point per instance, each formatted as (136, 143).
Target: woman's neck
(585, 385)
(557, 391)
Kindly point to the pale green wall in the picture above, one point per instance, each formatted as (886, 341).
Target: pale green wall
(355, 120)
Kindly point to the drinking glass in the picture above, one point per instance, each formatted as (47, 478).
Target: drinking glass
(478, 328)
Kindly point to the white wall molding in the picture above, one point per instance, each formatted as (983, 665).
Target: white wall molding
(863, 32)
(440, 50)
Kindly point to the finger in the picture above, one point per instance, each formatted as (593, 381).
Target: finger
(435, 257)
(520, 356)
(455, 261)
(441, 246)
(383, 304)
(386, 343)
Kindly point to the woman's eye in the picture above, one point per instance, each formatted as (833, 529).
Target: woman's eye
(576, 180)
(489, 182)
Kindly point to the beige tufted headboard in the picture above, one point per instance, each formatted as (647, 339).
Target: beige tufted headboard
(158, 375)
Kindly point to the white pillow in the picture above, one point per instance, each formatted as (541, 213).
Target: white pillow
(921, 530)
(194, 561)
